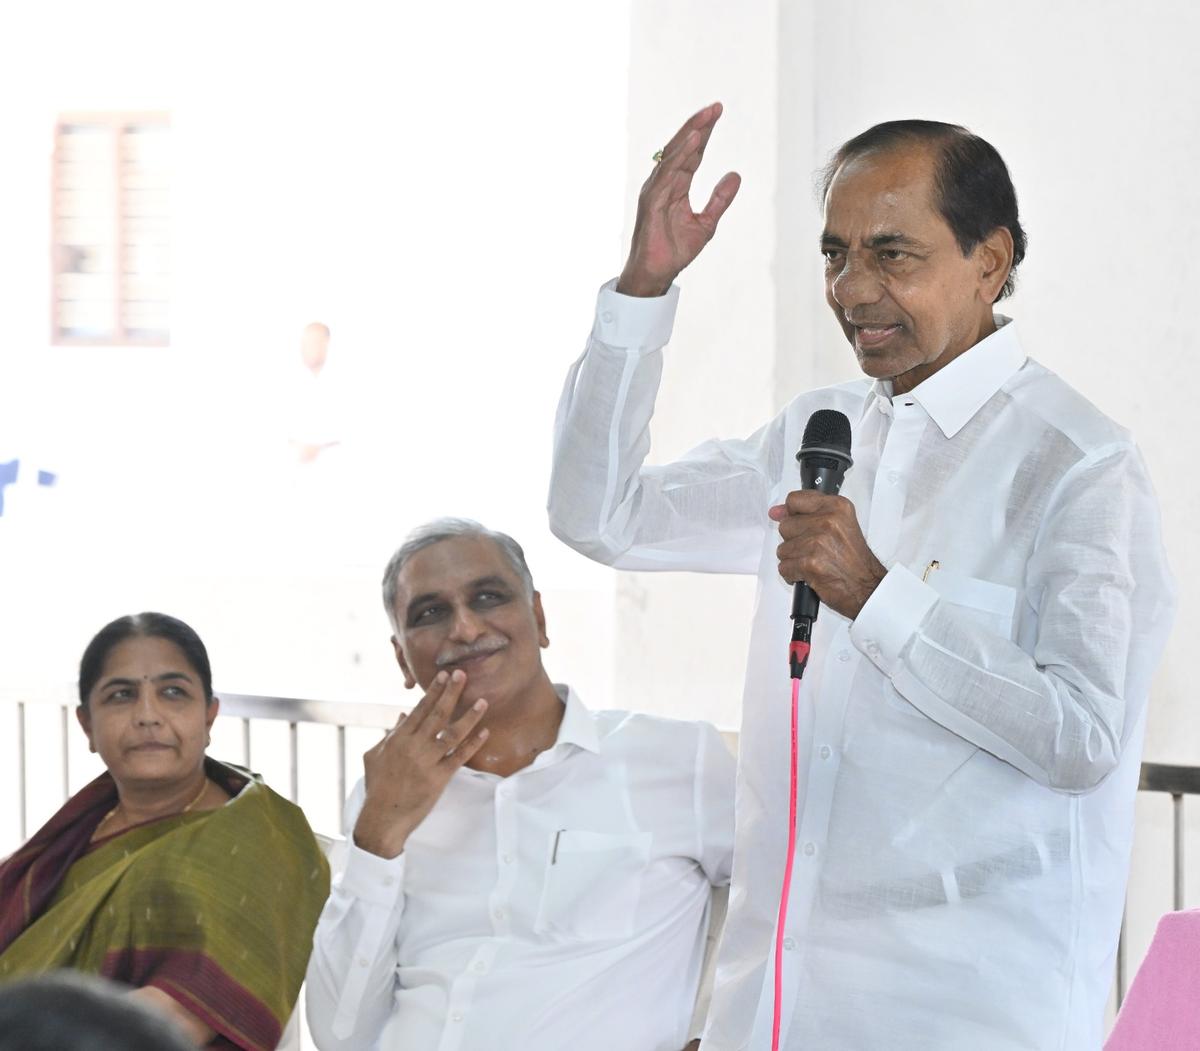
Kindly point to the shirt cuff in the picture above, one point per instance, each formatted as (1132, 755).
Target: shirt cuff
(890, 618)
(634, 322)
(371, 878)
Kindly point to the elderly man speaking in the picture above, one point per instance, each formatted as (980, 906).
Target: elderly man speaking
(526, 874)
(996, 593)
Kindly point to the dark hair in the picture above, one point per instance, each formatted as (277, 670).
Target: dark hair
(142, 625)
(975, 194)
(75, 1012)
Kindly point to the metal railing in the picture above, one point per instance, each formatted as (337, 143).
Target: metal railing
(327, 713)
(244, 707)
(1177, 781)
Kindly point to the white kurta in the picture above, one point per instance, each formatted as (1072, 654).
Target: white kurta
(970, 745)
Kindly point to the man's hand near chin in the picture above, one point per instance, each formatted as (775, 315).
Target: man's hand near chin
(409, 769)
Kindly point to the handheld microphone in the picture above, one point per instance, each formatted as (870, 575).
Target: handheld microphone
(824, 458)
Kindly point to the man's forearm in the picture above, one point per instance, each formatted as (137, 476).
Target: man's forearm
(352, 969)
(601, 428)
(1059, 724)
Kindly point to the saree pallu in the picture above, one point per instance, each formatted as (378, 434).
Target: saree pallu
(216, 908)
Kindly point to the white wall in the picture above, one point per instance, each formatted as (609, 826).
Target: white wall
(438, 184)
(441, 185)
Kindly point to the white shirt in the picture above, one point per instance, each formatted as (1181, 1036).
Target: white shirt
(970, 744)
(564, 907)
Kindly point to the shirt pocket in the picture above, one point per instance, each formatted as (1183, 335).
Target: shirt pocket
(592, 884)
(982, 602)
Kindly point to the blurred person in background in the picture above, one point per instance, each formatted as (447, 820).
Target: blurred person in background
(181, 876)
(314, 410)
(524, 873)
(67, 1011)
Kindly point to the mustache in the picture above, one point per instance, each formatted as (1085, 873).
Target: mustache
(478, 648)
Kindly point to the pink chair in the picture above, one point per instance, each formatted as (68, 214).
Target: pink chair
(1162, 1010)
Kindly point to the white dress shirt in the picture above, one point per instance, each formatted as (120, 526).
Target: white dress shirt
(563, 908)
(970, 743)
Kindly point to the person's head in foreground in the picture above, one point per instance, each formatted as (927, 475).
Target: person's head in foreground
(921, 238)
(66, 1011)
(185, 879)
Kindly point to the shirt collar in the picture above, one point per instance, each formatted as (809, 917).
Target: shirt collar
(957, 391)
(577, 726)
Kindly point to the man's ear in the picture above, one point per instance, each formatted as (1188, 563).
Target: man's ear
(85, 720)
(995, 256)
(539, 617)
(409, 679)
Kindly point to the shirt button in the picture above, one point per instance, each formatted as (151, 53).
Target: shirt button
(363, 962)
(810, 849)
(498, 913)
(479, 967)
(506, 858)
(606, 317)
(844, 656)
(456, 1017)
(388, 881)
(826, 751)
(894, 477)
(789, 944)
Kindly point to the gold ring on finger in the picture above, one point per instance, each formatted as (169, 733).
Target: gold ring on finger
(658, 156)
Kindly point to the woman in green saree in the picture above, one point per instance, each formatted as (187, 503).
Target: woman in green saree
(183, 877)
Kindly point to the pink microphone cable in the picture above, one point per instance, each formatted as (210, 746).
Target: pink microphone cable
(798, 657)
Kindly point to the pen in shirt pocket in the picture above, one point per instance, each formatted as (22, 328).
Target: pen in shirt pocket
(934, 564)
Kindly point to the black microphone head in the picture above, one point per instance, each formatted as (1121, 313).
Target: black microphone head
(824, 454)
(827, 431)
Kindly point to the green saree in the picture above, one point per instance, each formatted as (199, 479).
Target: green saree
(215, 908)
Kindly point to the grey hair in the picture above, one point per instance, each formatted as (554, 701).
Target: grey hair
(448, 529)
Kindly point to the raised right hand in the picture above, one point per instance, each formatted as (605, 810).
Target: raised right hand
(407, 771)
(667, 234)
